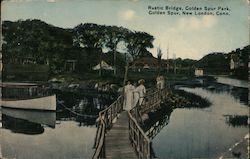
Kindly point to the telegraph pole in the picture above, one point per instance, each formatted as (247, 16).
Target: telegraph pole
(159, 55)
(174, 63)
(168, 59)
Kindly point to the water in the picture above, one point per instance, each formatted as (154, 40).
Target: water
(232, 81)
(49, 135)
(28, 140)
(66, 141)
(201, 133)
(186, 133)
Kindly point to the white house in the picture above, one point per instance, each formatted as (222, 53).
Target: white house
(198, 72)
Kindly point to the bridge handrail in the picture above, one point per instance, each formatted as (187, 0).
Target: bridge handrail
(100, 151)
(106, 118)
(151, 100)
(139, 139)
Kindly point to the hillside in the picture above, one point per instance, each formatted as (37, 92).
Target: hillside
(215, 63)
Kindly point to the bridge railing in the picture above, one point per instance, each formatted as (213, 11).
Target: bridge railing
(138, 137)
(152, 100)
(106, 118)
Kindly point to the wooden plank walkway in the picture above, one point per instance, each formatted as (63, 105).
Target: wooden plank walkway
(117, 143)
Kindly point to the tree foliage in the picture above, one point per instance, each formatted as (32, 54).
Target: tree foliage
(89, 35)
(138, 42)
(34, 39)
(44, 42)
(214, 62)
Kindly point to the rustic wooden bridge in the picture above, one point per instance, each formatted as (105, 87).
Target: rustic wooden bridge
(119, 134)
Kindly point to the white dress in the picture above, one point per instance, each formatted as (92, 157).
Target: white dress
(128, 97)
(158, 82)
(162, 85)
(142, 91)
(136, 96)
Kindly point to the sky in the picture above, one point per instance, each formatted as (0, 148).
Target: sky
(185, 36)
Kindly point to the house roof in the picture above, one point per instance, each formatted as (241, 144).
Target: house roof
(103, 65)
(148, 60)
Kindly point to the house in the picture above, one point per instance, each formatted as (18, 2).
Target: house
(239, 59)
(70, 65)
(198, 72)
(147, 63)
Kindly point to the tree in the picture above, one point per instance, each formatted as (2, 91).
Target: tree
(36, 40)
(89, 35)
(113, 36)
(138, 42)
(214, 63)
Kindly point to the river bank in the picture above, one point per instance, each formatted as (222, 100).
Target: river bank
(237, 88)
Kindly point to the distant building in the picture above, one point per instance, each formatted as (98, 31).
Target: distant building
(198, 72)
(103, 65)
(239, 62)
(70, 65)
(146, 63)
(1, 62)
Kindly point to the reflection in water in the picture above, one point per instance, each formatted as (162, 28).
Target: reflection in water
(156, 122)
(66, 140)
(85, 103)
(27, 121)
(231, 81)
(200, 133)
(21, 126)
(237, 120)
(35, 116)
(61, 135)
(238, 93)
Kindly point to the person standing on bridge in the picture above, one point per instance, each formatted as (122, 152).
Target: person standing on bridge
(128, 96)
(158, 82)
(162, 82)
(136, 95)
(141, 90)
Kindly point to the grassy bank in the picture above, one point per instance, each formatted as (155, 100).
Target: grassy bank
(94, 77)
(183, 99)
(237, 120)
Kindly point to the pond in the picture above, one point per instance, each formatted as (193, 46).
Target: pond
(201, 133)
(182, 133)
(66, 140)
(232, 81)
(58, 135)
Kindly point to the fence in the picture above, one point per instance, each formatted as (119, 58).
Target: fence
(153, 100)
(25, 93)
(106, 118)
(138, 137)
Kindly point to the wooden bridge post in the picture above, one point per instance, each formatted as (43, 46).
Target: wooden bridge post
(103, 151)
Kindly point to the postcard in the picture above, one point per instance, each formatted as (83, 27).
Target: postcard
(84, 79)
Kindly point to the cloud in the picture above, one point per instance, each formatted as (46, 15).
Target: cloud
(209, 21)
(17, 1)
(127, 15)
(51, 1)
(194, 23)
